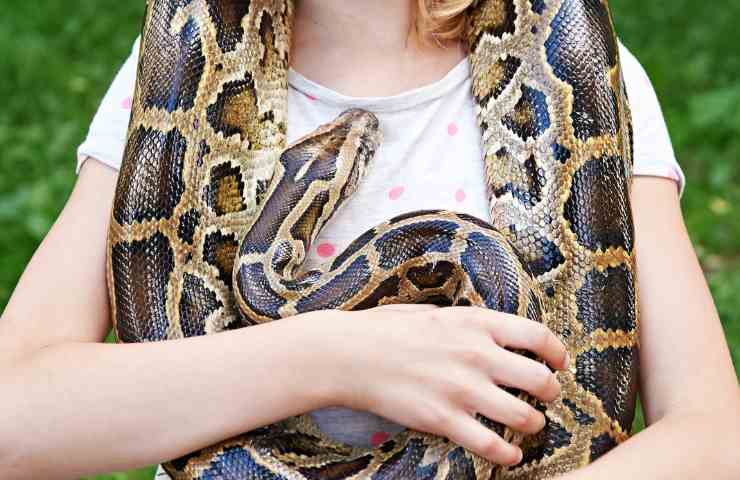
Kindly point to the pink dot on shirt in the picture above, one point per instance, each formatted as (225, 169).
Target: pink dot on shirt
(310, 97)
(126, 103)
(452, 129)
(379, 438)
(326, 250)
(460, 195)
(396, 192)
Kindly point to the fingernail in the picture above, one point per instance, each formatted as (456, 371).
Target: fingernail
(567, 361)
(519, 456)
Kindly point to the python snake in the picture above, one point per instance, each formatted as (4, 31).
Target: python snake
(213, 215)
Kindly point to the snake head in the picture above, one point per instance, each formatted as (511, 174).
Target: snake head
(316, 174)
(336, 155)
(361, 130)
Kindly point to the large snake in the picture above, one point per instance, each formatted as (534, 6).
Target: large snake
(213, 217)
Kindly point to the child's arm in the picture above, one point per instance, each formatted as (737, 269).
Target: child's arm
(689, 390)
(72, 406)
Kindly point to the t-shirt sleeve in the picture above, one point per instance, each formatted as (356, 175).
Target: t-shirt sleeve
(654, 155)
(106, 137)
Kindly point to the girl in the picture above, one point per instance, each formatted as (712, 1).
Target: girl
(76, 406)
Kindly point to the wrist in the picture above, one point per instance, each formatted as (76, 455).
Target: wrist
(320, 352)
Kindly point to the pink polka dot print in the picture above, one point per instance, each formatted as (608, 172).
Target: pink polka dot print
(396, 192)
(452, 129)
(326, 250)
(126, 103)
(379, 438)
(460, 195)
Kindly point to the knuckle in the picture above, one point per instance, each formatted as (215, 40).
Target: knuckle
(457, 390)
(435, 419)
(470, 319)
(543, 378)
(523, 418)
(542, 337)
(495, 321)
(492, 449)
(473, 356)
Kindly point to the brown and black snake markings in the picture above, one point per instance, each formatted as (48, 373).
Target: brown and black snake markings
(213, 217)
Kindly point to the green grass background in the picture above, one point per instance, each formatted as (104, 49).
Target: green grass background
(59, 56)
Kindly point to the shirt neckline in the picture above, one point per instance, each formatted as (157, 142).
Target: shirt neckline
(402, 101)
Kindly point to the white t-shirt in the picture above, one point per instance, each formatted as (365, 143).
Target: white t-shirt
(430, 158)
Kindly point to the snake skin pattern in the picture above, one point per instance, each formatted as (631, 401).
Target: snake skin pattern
(213, 216)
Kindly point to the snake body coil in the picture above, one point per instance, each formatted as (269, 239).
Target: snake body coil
(212, 218)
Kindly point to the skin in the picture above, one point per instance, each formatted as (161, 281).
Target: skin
(366, 50)
(73, 406)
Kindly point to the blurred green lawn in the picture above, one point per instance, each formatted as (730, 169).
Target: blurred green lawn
(59, 57)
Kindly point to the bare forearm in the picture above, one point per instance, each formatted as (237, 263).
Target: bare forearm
(74, 409)
(677, 447)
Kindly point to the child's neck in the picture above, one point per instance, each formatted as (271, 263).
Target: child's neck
(366, 47)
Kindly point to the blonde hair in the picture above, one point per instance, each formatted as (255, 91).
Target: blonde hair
(441, 20)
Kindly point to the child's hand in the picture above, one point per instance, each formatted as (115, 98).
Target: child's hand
(431, 369)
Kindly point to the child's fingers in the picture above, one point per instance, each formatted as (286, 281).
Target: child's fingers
(499, 405)
(515, 370)
(469, 433)
(511, 331)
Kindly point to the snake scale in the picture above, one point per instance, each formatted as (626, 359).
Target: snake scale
(213, 215)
